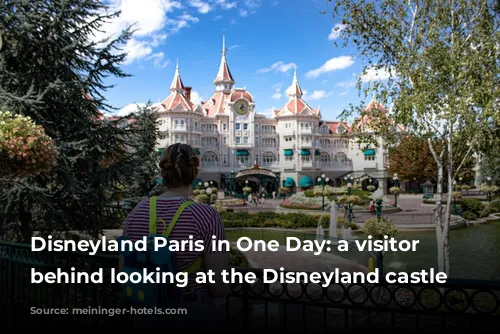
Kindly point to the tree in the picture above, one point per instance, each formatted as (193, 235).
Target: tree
(145, 158)
(440, 59)
(51, 69)
(412, 159)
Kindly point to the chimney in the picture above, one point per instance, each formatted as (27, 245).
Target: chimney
(188, 93)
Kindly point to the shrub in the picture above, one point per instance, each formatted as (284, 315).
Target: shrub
(473, 205)
(370, 188)
(237, 259)
(269, 219)
(378, 229)
(247, 190)
(309, 193)
(25, 148)
(470, 215)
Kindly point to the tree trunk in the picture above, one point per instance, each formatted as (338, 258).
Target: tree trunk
(438, 215)
(25, 220)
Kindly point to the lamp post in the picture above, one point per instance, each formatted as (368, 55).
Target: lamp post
(378, 195)
(233, 184)
(348, 181)
(396, 184)
(489, 185)
(324, 180)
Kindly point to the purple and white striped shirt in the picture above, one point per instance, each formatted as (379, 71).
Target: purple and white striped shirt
(198, 220)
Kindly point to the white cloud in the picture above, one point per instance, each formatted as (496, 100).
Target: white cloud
(275, 3)
(336, 31)
(189, 18)
(344, 93)
(268, 112)
(233, 47)
(317, 95)
(203, 7)
(347, 84)
(196, 98)
(279, 66)
(181, 22)
(136, 50)
(376, 74)
(324, 81)
(218, 17)
(252, 3)
(334, 64)
(277, 93)
(224, 4)
(159, 60)
(243, 12)
(128, 109)
(157, 39)
(233, 21)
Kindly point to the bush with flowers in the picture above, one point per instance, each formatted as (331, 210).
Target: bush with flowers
(25, 148)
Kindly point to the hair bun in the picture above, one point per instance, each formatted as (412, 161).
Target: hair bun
(167, 165)
(193, 161)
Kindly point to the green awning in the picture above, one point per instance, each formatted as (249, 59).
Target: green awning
(289, 182)
(197, 152)
(305, 152)
(242, 153)
(288, 153)
(305, 182)
(369, 152)
(317, 152)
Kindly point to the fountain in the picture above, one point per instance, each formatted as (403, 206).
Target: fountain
(486, 207)
(320, 233)
(332, 231)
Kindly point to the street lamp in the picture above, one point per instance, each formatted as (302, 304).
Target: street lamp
(378, 196)
(489, 185)
(396, 184)
(323, 180)
(348, 181)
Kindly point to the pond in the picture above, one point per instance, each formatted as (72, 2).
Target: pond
(474, 250)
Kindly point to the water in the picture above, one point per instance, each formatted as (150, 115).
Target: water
(474, 252)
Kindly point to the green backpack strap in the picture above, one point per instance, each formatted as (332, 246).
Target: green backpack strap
(166, 231)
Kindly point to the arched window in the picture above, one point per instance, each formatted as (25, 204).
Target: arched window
(325, 157)
(209, 159)
(268, 158)
(340, 158)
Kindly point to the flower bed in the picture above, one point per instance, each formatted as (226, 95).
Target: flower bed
(301, 201)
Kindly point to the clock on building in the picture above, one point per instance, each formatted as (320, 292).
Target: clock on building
(241, 107)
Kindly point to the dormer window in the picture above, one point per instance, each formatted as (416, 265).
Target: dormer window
(340, 130)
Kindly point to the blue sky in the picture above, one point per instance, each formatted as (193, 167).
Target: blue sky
(265, 41)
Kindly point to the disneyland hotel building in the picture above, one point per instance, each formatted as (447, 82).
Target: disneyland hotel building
(293, 148)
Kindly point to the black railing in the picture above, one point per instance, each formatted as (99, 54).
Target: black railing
(292, 307)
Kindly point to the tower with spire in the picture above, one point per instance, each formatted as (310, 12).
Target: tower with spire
(224, 80)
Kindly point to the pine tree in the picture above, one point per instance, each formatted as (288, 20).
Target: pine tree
(145, 157)
(52, 70)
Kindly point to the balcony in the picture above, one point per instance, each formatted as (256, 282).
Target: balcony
(287, 145)
(196, 129)
(210, 131)
(306, 144)
(306, 164)
(306, 131)
(269, 133)
(334, 165)
(196, 143)
(210, 146)
(210, 164)
(268, 145)
(287, 131)
(179, 129)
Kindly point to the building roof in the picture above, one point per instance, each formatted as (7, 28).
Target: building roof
(296, 105)
(177, 100)
(224, 74)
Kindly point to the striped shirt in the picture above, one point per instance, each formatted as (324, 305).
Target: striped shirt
(198, 220)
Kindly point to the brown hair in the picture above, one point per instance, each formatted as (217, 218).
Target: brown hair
(179, 166)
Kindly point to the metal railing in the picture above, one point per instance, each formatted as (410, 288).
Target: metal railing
(307, 307)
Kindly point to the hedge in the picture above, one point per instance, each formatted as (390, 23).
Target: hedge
(290, 220)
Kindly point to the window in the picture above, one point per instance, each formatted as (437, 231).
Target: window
(209, 157)
(256, 141)
(224, 140)
(238, 140)
(305, 158)
(224, 126)
(256, 127)
(224, 159)
(161, 137)
(245, 140)
(324, 157)
(340, 130)
(238, 126)
(268, 158)
(288, 138)
(243, 160)
(245, 126)
(324, 129)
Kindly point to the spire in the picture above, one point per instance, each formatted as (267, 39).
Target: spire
(295, 90)
(177, 85)
(223, 75)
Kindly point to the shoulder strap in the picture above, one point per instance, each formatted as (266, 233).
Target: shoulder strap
(166, 232)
